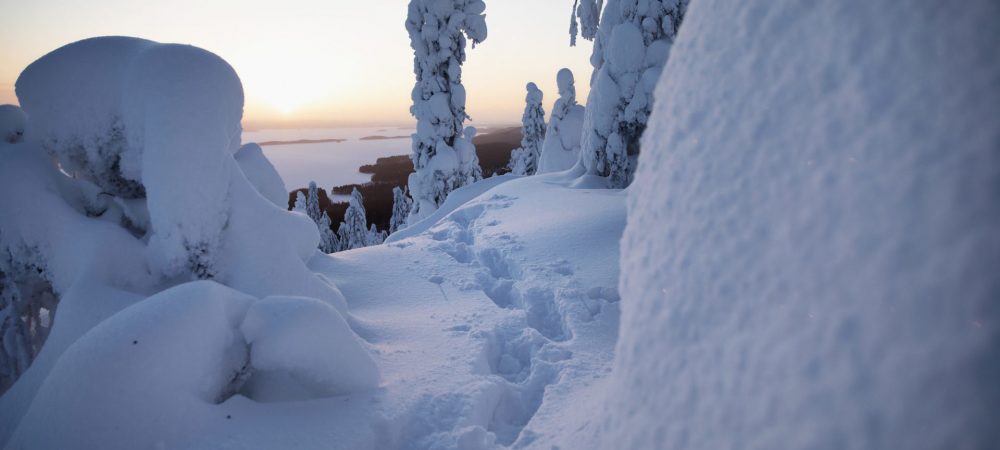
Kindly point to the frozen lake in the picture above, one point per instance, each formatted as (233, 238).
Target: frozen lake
(332, 163)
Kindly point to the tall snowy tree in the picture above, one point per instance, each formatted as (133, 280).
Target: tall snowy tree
(631, 45)
(442, 152)
(309, 205)
(353, 230)
(401, 204)
(561, 147)
(524, 160)
(300, 202)
(375, 237)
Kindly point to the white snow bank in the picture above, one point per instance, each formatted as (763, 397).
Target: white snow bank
(148, 377)
(456, 198)
(812, 243)
(12, 123)
(262, 174)
(302, 348)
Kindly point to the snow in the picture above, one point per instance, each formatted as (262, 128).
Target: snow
(262, 174)
(12, 123)
(561, 147)
(301, 348)
(811, 251)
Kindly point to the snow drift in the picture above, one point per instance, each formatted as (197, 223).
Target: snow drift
(812, 243)
(131, 181)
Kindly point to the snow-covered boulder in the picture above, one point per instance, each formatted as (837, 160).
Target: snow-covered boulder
(813, 236)
(302, 348)
(561, 147)
(12, 124)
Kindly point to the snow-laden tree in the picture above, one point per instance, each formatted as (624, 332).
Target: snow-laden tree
(524, 160)
(442, 152)
(300, 202)
(312, 203)
(589, 12)
(401, 204)
(328, 240)
(353, 230)
(561, 147)
(308, 204)
(375, 237)
(631, 46)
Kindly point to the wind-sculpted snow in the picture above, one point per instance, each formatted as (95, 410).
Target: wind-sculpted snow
(561, 147)
(12, 124)
(130, 181)
(814, 235)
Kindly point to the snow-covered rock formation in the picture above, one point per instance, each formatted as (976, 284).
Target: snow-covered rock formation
(561, 147)
(812, 245)
(443, 155)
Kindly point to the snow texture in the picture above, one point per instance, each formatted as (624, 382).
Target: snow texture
(12, 123)
(561, 147)
(524, 160)
(443, 155)
(812, 243)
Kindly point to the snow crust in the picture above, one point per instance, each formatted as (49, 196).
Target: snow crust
(812, 242)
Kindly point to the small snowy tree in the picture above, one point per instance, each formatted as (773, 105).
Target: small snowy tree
(631, 45)
(401, 204)
(300, 202)
(375, 237)
(312, 202)
(442, 152)
(561, 147)
(353, 230)
(524, 160)
(308, 204)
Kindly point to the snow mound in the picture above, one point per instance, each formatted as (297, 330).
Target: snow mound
(149, 376)
(561, 147)
(302, 348)
(812, 243)
(262, 174)
(12, 123)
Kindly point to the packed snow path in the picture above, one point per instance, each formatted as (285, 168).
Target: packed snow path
(494, 321)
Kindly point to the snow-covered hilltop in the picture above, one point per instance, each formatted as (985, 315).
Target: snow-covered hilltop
(806, 258)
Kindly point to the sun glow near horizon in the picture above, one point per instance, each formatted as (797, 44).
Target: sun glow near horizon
(313, 62)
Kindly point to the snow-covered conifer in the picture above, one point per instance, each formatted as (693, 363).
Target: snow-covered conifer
(442, 153)
(401, 204)
(561, 147)
(312, 202)
(524, 160)
(353, 230)
(631, 46)
(375, 237)
(328, 240)
(300, 202)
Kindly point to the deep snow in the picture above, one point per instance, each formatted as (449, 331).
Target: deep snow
(812, 245)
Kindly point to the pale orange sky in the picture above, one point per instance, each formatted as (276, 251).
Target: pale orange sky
(315, 61)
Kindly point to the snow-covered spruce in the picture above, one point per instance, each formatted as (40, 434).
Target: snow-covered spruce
(631, 46)
(160, 193)
(561, 147)
(401, 205)
(354, 231)
(812, 245)
(442, 153)
(524, 160)
(12, 123)
(589, 12)
(308, 204)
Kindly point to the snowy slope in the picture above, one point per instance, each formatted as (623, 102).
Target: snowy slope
(812, 246)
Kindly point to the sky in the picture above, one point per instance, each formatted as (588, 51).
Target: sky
(315, 62)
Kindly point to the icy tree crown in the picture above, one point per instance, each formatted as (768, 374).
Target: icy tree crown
(524, 160)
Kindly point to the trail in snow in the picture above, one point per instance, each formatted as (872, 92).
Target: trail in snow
(501, 320)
